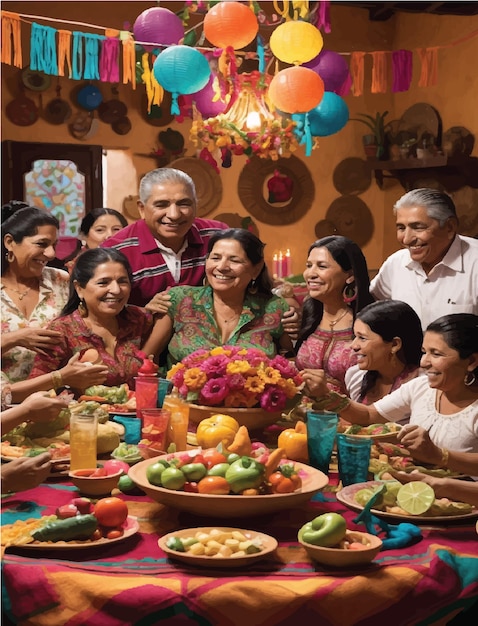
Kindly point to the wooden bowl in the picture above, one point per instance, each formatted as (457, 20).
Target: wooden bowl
(231, 505)
(253, 419)
(339, 557)
(94, 485)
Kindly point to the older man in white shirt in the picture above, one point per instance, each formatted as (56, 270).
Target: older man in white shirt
(437, 272)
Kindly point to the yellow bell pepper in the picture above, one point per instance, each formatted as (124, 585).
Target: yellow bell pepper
(294, 442)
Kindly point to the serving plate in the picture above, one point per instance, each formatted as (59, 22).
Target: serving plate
(130, 527)
(268, 542)
(346, 496)
(229, 505)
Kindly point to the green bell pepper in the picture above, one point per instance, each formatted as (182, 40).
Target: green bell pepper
(245, 473)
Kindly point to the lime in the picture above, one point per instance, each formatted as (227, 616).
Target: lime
(363, 496)
(125, 484)
(392, 487)
(415, 497)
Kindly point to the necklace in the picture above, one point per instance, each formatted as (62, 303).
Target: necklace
(21, 294)
(332, 323)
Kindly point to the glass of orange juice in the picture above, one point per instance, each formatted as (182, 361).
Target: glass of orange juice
(83, 440)
(178, 422)
(155, 426)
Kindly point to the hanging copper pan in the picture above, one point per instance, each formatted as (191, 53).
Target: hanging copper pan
(22, 111)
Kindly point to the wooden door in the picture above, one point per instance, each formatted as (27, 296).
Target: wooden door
(72, 184)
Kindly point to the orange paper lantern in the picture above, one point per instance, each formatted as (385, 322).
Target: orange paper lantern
(296, 90)
(230, 24)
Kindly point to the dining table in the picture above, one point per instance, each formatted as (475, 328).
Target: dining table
(429, 582)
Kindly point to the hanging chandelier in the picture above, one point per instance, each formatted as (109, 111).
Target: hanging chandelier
(248, 126)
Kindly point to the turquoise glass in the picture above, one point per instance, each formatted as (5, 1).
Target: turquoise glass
(164, 387)
(354, 458)
(321, 432)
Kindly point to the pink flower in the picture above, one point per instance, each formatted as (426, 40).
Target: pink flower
(215, 366)
(273, 399)
(214, 392)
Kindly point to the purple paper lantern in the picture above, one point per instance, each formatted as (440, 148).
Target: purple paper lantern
(331, 67)
(158, 26)
(204, 100)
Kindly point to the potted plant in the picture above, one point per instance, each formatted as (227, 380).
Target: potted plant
(374, 142)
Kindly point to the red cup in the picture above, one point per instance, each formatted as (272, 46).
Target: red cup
(154, 427)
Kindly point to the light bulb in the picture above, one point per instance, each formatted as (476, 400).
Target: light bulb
(253, 120)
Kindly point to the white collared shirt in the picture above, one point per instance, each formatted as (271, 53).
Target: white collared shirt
(450, 287)
(173, 259)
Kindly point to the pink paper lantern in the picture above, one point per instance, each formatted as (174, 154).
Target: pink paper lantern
(158, 26)
(204, 100)
(331, 67)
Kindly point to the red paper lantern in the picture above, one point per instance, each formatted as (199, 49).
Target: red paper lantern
(230, 24)
(296, 90)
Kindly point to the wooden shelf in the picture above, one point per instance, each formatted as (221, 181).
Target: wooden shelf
(452, 172)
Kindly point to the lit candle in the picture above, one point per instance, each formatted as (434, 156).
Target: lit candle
(288, 263)
(275, 266)
(282, 264)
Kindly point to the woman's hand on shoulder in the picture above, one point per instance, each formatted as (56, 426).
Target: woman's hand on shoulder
(37, 339)
(160, 304)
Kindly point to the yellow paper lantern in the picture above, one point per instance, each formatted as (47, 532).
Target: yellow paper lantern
(296, 90)
(296, 42)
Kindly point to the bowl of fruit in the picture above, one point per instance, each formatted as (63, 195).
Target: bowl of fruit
(205, 481)
(96, 481)
(327, 540)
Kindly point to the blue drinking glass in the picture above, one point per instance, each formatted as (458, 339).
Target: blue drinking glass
(354, 458)
(321, 432)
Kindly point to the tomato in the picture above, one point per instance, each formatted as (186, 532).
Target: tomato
(216, 429)
(115, 533)
(216, 485)
(111, 512)
(112, 466)
(213, 457)
(99, 473)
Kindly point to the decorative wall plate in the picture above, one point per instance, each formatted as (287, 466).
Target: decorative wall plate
(252, 190)
(207, 180)
(352, 176)
(420, 119)
(352, 218)
(325, 228)
(458, 141)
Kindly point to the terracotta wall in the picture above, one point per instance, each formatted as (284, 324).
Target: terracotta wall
(454, 97)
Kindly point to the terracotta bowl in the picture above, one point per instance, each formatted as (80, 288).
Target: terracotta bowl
(338, 557)
(253, 419)
(230, 505)
(94, 486)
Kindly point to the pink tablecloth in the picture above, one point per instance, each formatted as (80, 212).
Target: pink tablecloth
(132, 582)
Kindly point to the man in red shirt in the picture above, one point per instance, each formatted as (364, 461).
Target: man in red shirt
(168, 245)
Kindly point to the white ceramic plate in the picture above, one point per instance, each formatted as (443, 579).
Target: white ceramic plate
(346, 496)
(268, 542)
(130, 527)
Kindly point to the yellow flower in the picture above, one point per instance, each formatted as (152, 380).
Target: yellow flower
(195, 378)
(174, 369)
(254, 384)
(238, 367)
(271, 375)
(219, 350)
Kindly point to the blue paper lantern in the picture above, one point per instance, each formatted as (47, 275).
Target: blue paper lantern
(181, 70)
(328, 117)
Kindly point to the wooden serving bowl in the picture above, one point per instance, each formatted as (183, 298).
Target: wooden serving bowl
(253, 419)
(339, 557)
(231, 505)
(94, 485)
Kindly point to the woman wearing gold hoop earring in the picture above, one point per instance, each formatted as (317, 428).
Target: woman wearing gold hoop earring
(31, 294)
(237, 307)
(337, 280)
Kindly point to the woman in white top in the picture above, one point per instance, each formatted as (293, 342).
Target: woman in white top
(443, 405)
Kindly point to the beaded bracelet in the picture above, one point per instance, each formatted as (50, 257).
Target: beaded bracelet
(56, 379)
(333, 401)
(444, 457)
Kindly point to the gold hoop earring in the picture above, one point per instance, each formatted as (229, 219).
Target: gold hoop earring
(252, 288)
(469, 379)
(82, 310)
(350, 292)
(10, 256)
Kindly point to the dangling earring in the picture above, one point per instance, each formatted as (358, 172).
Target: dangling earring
(469, 379)
(252, 289)
(205, 281)
(350, 292)
(10, 256)
(82, 310)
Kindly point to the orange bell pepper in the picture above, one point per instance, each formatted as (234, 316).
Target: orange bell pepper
(241, 444)
(294, 442)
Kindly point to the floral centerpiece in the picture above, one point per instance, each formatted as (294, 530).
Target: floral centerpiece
(235, 377)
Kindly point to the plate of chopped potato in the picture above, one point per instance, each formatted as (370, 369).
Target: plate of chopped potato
(221, 547)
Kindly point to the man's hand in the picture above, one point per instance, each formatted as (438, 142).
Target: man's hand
(291, 323)
(160, 304)
(25, 473)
